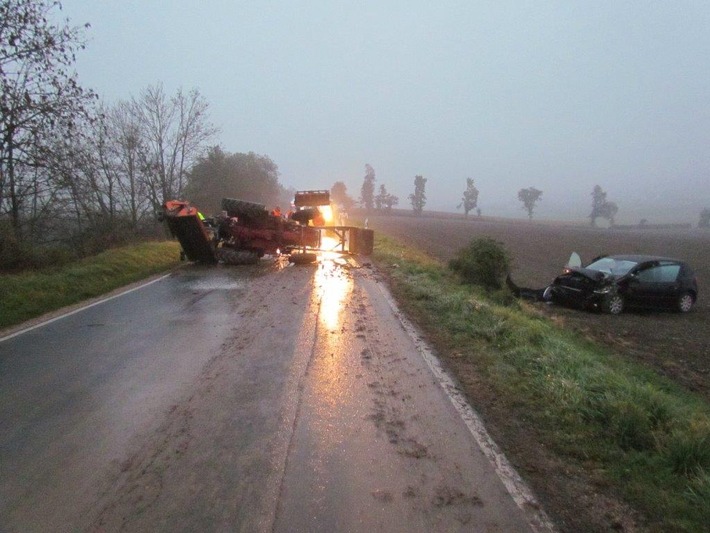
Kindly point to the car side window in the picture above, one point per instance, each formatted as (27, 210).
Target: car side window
(659, 274)
(649, 275)
(669, 273)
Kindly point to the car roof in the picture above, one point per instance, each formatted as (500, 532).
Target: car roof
(638, 258)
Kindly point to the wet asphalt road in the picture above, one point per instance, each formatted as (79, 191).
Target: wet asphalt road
(265, 398)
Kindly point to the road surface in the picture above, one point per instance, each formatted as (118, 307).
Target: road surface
(266, 398)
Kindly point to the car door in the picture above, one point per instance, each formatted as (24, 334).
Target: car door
(654, 285)
(669, 284)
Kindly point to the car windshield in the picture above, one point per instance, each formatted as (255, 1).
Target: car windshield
(615, 267)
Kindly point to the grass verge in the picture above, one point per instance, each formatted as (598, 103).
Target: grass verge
(30, 294)
(634, 434)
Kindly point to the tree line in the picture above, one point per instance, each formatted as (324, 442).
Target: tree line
(529, 197)
(602, 208)
(78, 175)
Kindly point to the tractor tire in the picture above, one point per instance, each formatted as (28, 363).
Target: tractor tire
(244, 209)
(237, 257)
(304, 216)
(302, 258)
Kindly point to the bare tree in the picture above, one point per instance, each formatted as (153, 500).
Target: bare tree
(126, 158)
(38, 94)
(175, 132)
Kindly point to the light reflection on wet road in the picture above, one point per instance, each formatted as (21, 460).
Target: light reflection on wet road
(333, 288)
(376, 444)
(269, 398)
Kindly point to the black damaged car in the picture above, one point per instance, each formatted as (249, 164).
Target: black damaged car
(612, 283)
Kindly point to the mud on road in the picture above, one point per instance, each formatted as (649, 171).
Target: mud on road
(309, 409)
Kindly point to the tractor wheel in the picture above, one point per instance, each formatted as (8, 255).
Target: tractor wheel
(304, 216)
(302, 258)
(244, 209)
(237, 257)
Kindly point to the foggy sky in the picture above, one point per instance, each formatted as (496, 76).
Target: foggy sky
(560, 95)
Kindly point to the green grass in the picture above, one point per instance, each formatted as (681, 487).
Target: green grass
(648, 438)
(30, 294)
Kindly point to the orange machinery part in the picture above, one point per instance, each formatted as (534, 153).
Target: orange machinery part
(179, 208)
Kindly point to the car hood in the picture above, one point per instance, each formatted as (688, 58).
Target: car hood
(594, 275)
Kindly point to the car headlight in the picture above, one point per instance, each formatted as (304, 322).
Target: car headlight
(604, 290)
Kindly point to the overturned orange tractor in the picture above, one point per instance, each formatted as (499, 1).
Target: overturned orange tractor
(246, 231)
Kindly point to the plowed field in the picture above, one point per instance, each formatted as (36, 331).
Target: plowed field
(674, 344)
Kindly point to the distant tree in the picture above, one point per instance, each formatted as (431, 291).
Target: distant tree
(469, 200)
(609, 211)
(390, 201)
(529, 197)
(367, 192)
(598, 200)
(380, 196)
(219, 174)
(418, 198)
(704, 218)
(339, 195)
(601, 207)
(384, 200)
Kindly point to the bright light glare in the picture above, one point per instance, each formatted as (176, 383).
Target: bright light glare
(327, 213)
(334, 287)
(329, 244)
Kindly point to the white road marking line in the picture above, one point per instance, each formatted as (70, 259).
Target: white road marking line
(75, 311)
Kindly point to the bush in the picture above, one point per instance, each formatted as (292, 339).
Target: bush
(483, 262)
(12, 254)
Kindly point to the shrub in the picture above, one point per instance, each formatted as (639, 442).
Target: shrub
(483, 262)
(688, 452)
(12, 254)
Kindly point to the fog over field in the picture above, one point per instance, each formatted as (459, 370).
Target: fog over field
(561, 96)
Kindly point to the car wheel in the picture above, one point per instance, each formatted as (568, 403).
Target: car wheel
(547, 295)
(613, 304)
(685, 302)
